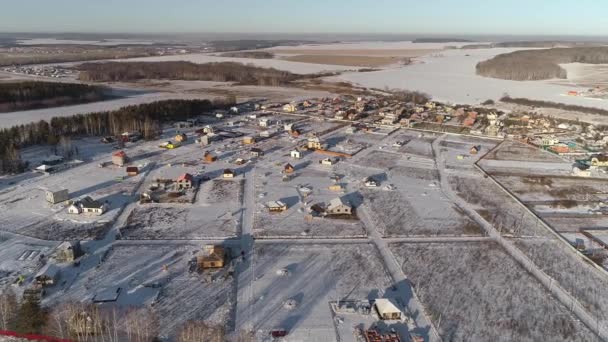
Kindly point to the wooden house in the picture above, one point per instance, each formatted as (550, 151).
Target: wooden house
(68, 251)
(229, 173)
(47, 276)
(212, 256)
(289, 168)
(209, 158)
(276, 206)
(338, 207)
(132, 170)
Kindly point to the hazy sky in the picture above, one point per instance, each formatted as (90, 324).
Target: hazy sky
(537, 17)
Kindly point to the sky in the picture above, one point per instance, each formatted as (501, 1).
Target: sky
(481, 17)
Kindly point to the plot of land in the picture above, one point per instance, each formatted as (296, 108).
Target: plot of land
(489, 296)
(295, 283)
(350, 60)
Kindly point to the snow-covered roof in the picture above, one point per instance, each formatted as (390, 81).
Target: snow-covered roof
(337, 202)
(275, 204)
(386, 306)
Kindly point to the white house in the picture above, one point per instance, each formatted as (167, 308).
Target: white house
(296, 154)
(87, 205)
(329, 161)
(74, 209)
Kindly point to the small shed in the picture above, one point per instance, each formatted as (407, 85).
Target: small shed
(212, 256)
(55, 196)
(387, 310)
(184, 182)
(132, 170)
(229, 173)
(248, 140)
(119, 158)
(296, 154)
(48, 275)
(68, 251)
(370, 182)
(209, 158)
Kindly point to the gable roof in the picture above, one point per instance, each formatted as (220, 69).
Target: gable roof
(121, 154)
(185, 177)
(88, 202)
(386, 305)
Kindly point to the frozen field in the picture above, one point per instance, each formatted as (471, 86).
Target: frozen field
(575, 275)
(489, 296)
(312, 276)
(449, 76)
(155, 276)
(20, 257)
(517, 151)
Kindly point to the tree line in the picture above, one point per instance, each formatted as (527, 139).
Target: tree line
(179, 70)
(33, 94)
(145, 118)
(526, 65)
(557, 105)
(88, 322)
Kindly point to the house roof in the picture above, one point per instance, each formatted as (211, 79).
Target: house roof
(337, 202)
(288, 166)
(88, 202)
(386, 306)
(132, 168)
(216, 253)
(121, 154)
(275, 204)
(228, 171)
(186, 177)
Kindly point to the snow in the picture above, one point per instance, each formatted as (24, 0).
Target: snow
(450, 76)
(370, 45)
(105, 42)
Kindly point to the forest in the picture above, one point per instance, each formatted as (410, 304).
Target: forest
(31, 95)
(528, 65)
(548, 104)
(249, 54)
(146, 118)
(219, 72)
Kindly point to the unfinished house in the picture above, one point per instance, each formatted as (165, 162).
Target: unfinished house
(209, 158)
(248, 140)
(68, 251)
(184, 182)
(387, 310)
(314, 143)
(337, 206)
(47, 276)
(119, 158)
(212, 256)
(55, 196)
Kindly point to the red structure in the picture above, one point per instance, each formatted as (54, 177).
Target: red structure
(32, 337)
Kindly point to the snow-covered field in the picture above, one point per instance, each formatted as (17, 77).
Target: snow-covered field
(104, 42)
(370, 45)
(490, 297)
(311, 276)
(450, 76)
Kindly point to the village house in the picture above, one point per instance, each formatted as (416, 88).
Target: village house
(68, 251)
(209, 158)
(338, 207)
(119, 158)
(229, 173)
(55, 196)
(288, 168)
(184, 182)
(212, 256)
(248, 140)
(314, 143)
(328, 161)
(256, 152)
(265, 122)
(599, 160)
(88, 206)
(181, 138)
(290, 108)
(386, 309)
(276, 206)
(549, 140)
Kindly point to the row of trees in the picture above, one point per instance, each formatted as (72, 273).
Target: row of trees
(549, 104)
(146, 118)
(88, 322)
(528, 65)
(179, 70)
(32, 94)
(249, 54)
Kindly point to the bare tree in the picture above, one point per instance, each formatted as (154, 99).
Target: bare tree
(8, 308)
(195, 331)
(141, 325)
